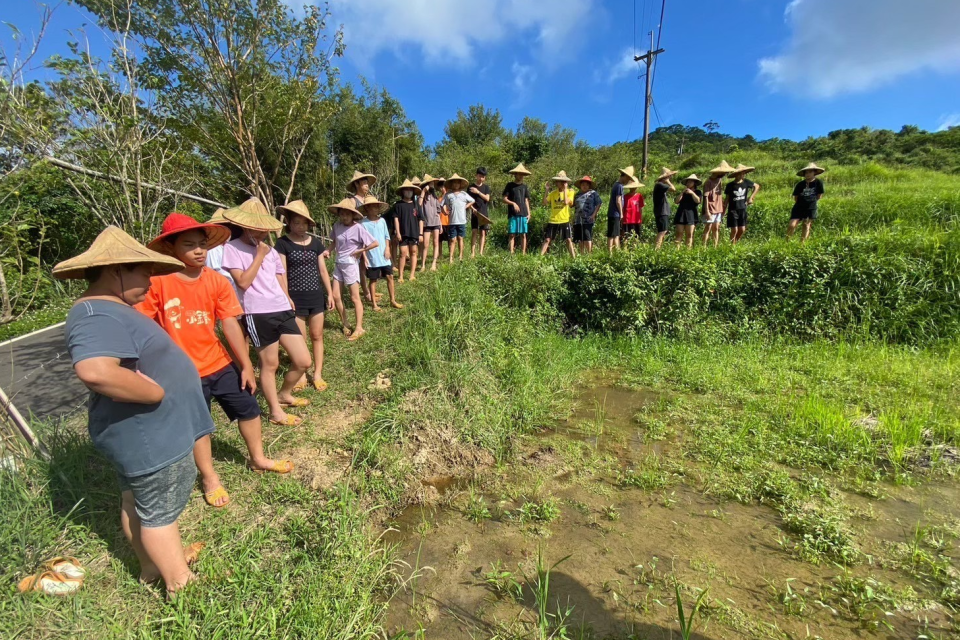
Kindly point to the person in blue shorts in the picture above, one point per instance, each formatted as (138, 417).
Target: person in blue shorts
(516, 195)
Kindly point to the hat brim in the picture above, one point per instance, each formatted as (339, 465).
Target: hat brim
(743, 171)
(816, 171)
(457, 181)
(371, 180)
(161, 267)
(335, 209)
(664, 176)
(521, 172)
(560, 179)
(252, 221)
(217, 235)
(380, 207)
(289, 213)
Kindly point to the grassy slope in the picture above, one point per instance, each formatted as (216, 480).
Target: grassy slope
(289, 561)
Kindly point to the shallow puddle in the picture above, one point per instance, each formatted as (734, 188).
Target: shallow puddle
(620, 550)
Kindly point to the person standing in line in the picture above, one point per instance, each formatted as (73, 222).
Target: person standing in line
(738, 196)
(408, 226)
(431, 221)
(378, 258)
(688, 207)
(806, 196)
(359, 188)
(632, 210)
(661, 204)
(586, 206)
(146, 409)
(713, 203)
(560, 199)
(615, 208)
(444, 216)
(215, 254)
(480, 192)
(308, 282)
(350, 244)
(516, 195)
(456, 203)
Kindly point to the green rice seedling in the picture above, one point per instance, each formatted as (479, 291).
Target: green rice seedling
(548, 624)
(867, 600)
(904, 435)
(476, 510)
(686, 623)
(611, 513)
(793, 602)
(543, 512)
(503, 583)
(651, 475)
(599, 417)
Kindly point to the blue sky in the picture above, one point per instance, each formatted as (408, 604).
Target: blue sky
(771, 68)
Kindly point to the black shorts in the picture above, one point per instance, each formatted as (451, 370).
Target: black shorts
(663, 223)
(475, 223)
(583, 232)
(432, 229)
(377, 273)
(266, 328)
(613, 227)
(408, 241)
(445, 232)
(804, 214)
(736, 218)
(310, 305)
(224, 387)
(685, 217)
(552, 231)
(633, 227)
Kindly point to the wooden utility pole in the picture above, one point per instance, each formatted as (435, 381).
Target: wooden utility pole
(648, 58)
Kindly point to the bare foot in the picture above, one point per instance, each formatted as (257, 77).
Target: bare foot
(433, 267)
(191, 553)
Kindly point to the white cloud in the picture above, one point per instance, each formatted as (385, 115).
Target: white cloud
(618, 68)
(849, 46)
(456, 32)
(523, 78)
(949, 120)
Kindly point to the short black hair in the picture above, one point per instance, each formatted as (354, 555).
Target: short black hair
(482, 171)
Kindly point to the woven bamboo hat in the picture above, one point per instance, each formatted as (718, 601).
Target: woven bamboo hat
(297, 207)
(217, 217)
(693, 177)
(408, 184)
(629, 172)
(667, 173)
(519, 170)
(252, 214)
(561, 177)
(455, 179)
(351, 186)
(742, 169)
(427, 180)
(633, 184)
(115, 246)
(345, 205)
(811, 167)
(416, 181)
(722, 169)
(371, 204)
(177, 223)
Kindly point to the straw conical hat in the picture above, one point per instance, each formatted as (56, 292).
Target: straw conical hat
(298, 207)
(693, 177)
(561, 177)
(408, 184)
(742, 168)
(217, 217)
(519, 169)
(667, 173)
(629, 172)
(722, 168)
(347, 205)
(427, 180)
(370, 203)
(633, 184)
(115, 246)
(811, 167)
(371, 179)
(252, 214)
(416, 181)
(455, 178)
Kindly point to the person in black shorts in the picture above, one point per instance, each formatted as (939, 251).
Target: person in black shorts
(308, 282)
(806, 196)
(738, 195)
(661, 204)
(480, 192)
(688, 206)
(586, 206)
(408, 226)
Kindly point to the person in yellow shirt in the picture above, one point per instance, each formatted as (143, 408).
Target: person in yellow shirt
(560, 201)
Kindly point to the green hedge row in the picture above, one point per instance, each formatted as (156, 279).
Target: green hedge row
(900, 289)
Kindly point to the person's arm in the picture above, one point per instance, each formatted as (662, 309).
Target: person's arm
(246, 277)
(670, 186)
(680, 196)
(396, 226)
(620, 204)
(241, 353)
(596, 210)
(483, 196)
(105, 376)
(696, 198)
(546, 197)
(529, 208)
(756, 190)
(325, 277)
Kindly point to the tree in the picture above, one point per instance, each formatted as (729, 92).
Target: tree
(477, 127)
(711, 126)
(246, 79)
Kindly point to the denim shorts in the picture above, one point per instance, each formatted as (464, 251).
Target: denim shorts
(160, 497)
(458, 231)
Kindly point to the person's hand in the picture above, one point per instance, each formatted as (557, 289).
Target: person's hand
(248, 380)
(516, 207)
(325, 254)
(750, 201)
(263, 250)
(356, 254)
(329, 302)
(474, 190)
(160, 393)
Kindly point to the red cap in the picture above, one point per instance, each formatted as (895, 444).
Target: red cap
(178, 223)
(585, 178)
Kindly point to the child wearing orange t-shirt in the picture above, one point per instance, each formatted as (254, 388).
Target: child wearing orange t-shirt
(187, 306)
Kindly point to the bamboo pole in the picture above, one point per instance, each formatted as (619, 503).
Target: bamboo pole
(17, 419)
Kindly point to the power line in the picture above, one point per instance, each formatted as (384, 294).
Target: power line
(663, 9)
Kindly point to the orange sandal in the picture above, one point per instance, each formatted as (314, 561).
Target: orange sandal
(297, 402)
(281, 467)
(50, 583)
(212, 496)
(67, 566)
(191, 552)
(289, 421)
(319, 384)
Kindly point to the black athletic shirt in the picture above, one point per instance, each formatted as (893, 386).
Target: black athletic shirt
(737, 194)
(808, 194)
(517, 193)
(409, 218)
(661, 202)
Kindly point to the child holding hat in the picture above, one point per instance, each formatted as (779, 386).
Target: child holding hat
(408, 227)
(146, 409)
(187, 306)
(688, 207)
(806, 196)
(661, 204)
(379, 266)
(738, 195)
(308, 282)
(268, 311)
(560, 199)
(516, 196)
(586, 206)
(350, 242)
(713, 203)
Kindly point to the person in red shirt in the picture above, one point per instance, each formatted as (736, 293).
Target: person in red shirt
(632, 209)
(187, 306)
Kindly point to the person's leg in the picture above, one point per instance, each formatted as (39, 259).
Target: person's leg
(425, 248)
(130, 523)
(473, 241)
(296, 348)
(573, 252)
(252, 434)
(363, 284)
(483, 240)
(792, 227)
(510, 240)
(545, 246)
(807, 226)
(209, 479)
(413, 262)
(660, 236)
(338, 303)
(373, 287)
(316, 338)
(393, 293)
(690, 229)
(302, 323)
(523, 241)
(678, 235)
(165, 548)
(269, 356)
(436, 249)
(395, 250)
(460, 243)
(358, 308)
(404, 255)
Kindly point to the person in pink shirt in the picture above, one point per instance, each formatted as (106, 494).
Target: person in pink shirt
(351, 241)
(269, 316)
